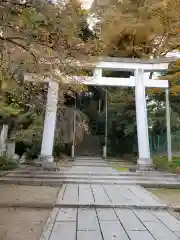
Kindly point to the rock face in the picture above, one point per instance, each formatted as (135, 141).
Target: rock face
(65, 122)
(90, 146)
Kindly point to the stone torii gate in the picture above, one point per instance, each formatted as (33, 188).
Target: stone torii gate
(142, 70)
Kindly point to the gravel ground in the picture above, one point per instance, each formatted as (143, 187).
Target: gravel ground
(22, 224)
(28, 194)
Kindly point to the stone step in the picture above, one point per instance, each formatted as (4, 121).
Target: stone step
(70, 173)
(59, 182)
(88, 177)
(112, 205)
(101, 165)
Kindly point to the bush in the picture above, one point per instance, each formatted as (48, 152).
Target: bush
(7, 164)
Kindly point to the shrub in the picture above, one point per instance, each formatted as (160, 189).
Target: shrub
(7, 164)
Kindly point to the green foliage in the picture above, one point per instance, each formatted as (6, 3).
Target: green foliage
(121, 122)
(162, 164)
(7, 110)
(7, 164)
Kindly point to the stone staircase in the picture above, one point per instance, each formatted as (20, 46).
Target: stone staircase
(91, 171)
(90, 146)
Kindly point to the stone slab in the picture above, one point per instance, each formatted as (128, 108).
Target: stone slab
(100, 195)
(87, 220)
(113, 194)
(170, 221)
(67, 215)
(177, 234)
(46, 231)
(129, 196)
(70, 194)
(64, 230)
(129, 220)
(144, 195)
(145, 215)
(113, 230)
(160, 231)
(85, 194)
(89, 235)
(106, 214)
(140, 235)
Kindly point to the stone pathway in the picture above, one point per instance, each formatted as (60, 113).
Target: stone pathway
(101, 211)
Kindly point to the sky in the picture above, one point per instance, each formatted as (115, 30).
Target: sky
(86, 3)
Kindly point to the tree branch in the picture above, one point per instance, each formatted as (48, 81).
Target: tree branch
(11, 40)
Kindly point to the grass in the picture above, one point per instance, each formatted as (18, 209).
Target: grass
(169, 196)
(122, 166)
(161, 163)
(122, 169)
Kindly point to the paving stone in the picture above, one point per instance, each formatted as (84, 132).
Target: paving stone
(177, 234)
(113, 230)
(170, 221)
(129, 220)
(71, 194)
(64, 230)
(114, 195)
(149, 193)
(160, 231)
(100, 195)
(85, 194)
(87, 219)
(106, 214)
(46, 231)
(61, 193)
(143, 196)
(89, 235)
(128, 195)
(67, 215)
(140, 235)
(145, 215)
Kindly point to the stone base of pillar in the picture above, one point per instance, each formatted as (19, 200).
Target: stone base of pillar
(72, 152)
(104, 152)
(46, 159)
(145, 165)
(47, 162)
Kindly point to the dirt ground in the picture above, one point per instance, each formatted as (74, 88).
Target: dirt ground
(22, 224)
(169, 196)
(28, 194)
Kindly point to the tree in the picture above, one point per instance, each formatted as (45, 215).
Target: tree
(139, 28)
(40, 36)
(45, 38)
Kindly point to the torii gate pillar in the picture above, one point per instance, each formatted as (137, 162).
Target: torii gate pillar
(46, 155)
(144, 162)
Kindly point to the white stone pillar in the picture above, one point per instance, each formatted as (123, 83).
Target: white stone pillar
(3, 139)
(168, 126)
(49, 123)
(144, 162)
(10, 153)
